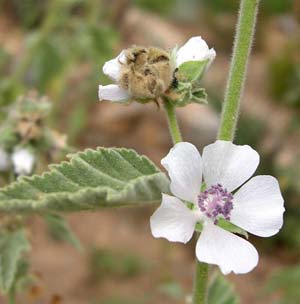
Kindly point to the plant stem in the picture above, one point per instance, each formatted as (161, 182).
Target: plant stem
(241, 51)
(200, 283)
(201, 273)
(236, 80)
(173, 123)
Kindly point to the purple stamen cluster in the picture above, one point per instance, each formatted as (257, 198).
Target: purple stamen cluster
(216, 202)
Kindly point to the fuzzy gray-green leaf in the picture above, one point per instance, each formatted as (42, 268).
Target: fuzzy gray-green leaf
(12, 245)
(89, 180)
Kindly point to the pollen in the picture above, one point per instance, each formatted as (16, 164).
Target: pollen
(216, 202)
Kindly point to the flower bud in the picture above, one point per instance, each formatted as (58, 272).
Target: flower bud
(151, 74)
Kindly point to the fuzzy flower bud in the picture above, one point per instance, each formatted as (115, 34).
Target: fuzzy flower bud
(145, 74)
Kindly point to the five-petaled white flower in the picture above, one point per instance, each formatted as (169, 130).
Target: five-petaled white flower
(195, 49)
(257, 206)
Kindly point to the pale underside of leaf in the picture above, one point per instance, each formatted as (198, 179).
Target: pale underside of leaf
(105, 177)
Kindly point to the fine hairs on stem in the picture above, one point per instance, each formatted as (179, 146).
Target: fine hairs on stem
(172, 122)
(242, 47)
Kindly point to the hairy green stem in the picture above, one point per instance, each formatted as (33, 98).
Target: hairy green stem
(172, 121)
(201, 273)
(242, 47)
(200, 283)
(241, 51)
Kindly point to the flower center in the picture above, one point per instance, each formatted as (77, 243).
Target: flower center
(216, 202)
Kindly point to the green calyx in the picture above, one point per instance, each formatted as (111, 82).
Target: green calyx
(186, 86)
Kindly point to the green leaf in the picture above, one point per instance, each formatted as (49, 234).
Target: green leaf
(22, 279)
(231, 227)
(185, 94)
(105, 177)
(221, 291)
(12, 245)
(61, 231)
(191, 71)
(199, 96)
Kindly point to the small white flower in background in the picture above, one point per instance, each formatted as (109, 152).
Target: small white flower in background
(257, 206)
(4, 160)
(23, 161)
(196, 49)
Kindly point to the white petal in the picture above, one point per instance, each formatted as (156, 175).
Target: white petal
(228, 164)
(184, 166)
(4, 160)
(23, 161)
(230, 252)
(196, 49)
(258, 206)
(112, 68)
(112, 92)
(173, 220)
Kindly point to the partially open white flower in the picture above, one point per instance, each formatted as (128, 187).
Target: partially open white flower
(257, 206)
(4, 160)
(23, 161)
(112, 69)
(196, 49)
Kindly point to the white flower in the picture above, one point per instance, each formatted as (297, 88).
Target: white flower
(196, 49)
(112, 69)
(112, 92)
(4, 160)
(23, 161)
(257, 206)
